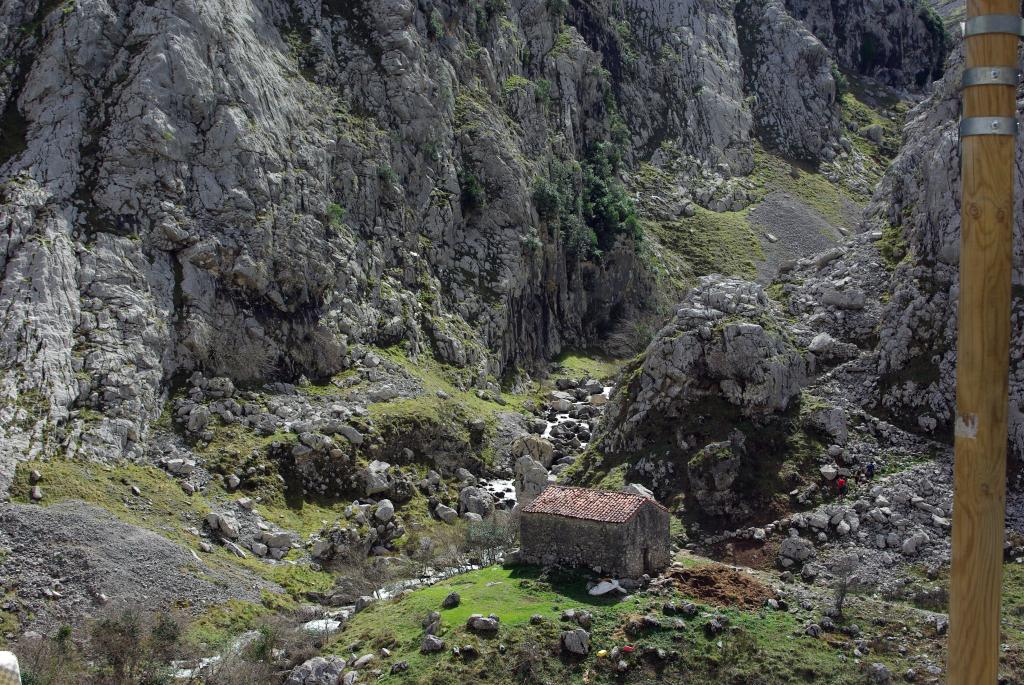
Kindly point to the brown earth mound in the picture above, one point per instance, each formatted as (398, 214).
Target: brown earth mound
(721, 585)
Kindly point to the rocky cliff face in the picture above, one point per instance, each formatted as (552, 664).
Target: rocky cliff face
(883, 306)
(777, 47)
(918, 208)
(254, 188)
(713, 393)
(899, 42)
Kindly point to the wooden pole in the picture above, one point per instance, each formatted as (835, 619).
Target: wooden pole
(986, 248)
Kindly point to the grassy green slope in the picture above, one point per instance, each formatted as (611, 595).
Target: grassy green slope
(762, 645)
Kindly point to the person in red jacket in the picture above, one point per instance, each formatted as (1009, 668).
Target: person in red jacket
(841, 486)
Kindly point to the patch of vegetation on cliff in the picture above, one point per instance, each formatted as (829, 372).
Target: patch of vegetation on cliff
(607, 209)
(578, 365)
(860, 117)
(893, 246)
(710, 242)
(833, 202)
(586, 206)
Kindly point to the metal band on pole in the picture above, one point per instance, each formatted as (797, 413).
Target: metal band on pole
(994, 23)
(988, 126)
(990, 76)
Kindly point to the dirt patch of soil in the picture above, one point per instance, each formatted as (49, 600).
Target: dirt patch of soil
(721, 586)
(749, 553)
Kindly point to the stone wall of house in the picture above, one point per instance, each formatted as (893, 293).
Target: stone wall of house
(607, 548)
(650, 529)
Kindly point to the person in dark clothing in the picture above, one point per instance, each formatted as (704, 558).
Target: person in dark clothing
(870, 470)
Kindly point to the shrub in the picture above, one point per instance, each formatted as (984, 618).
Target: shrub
(547, 199)
(607, 209)
(386, 174)
(490, 538)
(844, 570)
(842, 84)
(436, 26)
(130, 647)
(580, 239)
(558, 7)
(50, 661)
(335, 214)
(474, 196)
(527, 661)
(543, 91)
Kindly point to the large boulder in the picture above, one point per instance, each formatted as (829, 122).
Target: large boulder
(576, 641)
(795, 550)
(475, 500)
(317, 671)
(384, 511)
(531, 479)
(535, 447)
(483, 624)
(432, 644)
(375, 478)
(225, 524)
(446, 513)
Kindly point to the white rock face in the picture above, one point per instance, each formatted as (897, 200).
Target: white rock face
(790, 73)
(920, 197)
(531, 479)
(189, 187)
(725, 343)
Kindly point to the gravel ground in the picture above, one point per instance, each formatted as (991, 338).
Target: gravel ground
(800, 231)
(84, 554)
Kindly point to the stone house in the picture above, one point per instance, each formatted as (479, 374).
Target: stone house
(613, 533)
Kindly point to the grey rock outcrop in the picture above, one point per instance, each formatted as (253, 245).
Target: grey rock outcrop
(789, 73)
(255, 215)
(917, 207)
(727, 359)
(726, 345)
(900, 42)
(317, 671)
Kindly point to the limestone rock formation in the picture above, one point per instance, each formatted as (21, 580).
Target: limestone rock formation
(917, 210)
(725, 349)
(253, 188)
(789, 73)
(900, 42)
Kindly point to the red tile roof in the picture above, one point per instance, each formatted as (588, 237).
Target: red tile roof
(584, 503)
